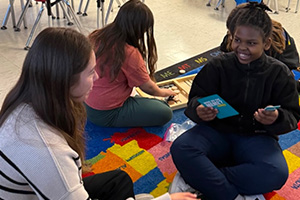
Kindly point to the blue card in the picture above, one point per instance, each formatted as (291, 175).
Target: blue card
(215, 101)
(272, 108)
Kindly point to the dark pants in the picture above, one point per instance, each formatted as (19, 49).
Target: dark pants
(222, 165)
(135, 112)
(112, 185)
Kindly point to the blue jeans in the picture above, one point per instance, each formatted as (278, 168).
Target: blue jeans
(223, 165)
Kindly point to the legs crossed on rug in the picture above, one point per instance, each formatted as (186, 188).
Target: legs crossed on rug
(212, 165)
(179, 185)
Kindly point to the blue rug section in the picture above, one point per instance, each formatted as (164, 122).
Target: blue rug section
(98, 138)
(148, 182)
(289, 139)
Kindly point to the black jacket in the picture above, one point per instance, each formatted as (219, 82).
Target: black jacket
(246, 88)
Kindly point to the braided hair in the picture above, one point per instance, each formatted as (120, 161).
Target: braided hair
(254, 15)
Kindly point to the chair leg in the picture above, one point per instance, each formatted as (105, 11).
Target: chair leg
(24, 19)
(22, 15)
(100, 6)
(61, 3)
(79, 8)
(208, 3)
(218, 4)
(9, 11)
(13, 13)
(57, 11)
(288, 6)
(86, 7)
(98, 15)
(77, 22)
(72, 4)
(297, 6)
(108, 10)
(34, 26)
(276, 7)
(119, 3)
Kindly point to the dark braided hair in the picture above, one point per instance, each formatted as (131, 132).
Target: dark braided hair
(254, 15)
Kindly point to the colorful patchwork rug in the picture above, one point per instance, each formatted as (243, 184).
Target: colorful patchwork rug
(145, 156)
(141, 152)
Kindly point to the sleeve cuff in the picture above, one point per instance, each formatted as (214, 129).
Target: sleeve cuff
(165, 196)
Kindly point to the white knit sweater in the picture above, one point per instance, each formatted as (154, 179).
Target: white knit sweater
(35, 160)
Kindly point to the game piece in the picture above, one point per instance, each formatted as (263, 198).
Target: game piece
(182, 71)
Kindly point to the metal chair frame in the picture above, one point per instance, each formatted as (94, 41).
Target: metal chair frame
(11, 11)
(100, 7)
(288, 6)
(65, 6)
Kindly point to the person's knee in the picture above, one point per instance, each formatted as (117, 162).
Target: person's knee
(174, 147)
(176, 152)
(279, 175)
(161, 115)
(275, 176)
(166, 115)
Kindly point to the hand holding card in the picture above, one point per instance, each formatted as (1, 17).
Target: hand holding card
(271, 108)
(215, 101)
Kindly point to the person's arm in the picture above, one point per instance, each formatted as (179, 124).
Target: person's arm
(151, 88)
(46, 161)
(287, 96)
(177, 196)
(204, 84)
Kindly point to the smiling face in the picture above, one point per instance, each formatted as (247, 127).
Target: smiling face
(248, 44)
(80, 91)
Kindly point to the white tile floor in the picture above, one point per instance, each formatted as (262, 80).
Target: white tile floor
(183, 29)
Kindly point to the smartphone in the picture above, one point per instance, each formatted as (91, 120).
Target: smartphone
(272, 108)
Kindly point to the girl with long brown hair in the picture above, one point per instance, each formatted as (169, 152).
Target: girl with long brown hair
(42, 124)
(126, 52)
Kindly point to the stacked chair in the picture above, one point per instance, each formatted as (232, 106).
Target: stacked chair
(48, 4)
(100, 8)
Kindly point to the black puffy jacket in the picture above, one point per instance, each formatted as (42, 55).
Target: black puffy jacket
(246, 88)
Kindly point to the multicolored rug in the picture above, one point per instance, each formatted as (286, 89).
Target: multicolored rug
(141, 152)
(145, 156)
